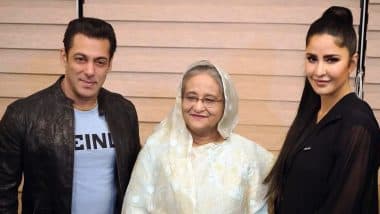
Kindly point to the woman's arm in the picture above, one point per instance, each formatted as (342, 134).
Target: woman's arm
(354, 172)
(257, 190)
(139, 192)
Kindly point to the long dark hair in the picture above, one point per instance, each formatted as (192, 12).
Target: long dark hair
(337, 22)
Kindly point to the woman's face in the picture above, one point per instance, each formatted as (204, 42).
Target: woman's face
(202, 104)
(328, 66)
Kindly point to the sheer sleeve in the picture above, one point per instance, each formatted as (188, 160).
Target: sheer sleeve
(258, 190)
(353, 179)
(138, 196)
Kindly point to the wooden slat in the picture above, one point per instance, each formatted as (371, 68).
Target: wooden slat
(163, 60)
(240, 36)
(270, 137)
(373, 42)
(14, 85)
(146, 129)
(372, 74)
(161, 85)
(225, 12)
(246, 36)
(374, 16)
(249, 87)
(207, 35)
(145, 107)
(372, 95)
(244, 2)
(233, 61)
(262, 62)
(37, 11)
(30, 61)
(132, 84)
(302, 12)
(31, 36)
(269, 113)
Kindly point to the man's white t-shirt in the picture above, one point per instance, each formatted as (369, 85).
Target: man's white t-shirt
(94, 186)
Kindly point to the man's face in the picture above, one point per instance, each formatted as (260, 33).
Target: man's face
(86, 66)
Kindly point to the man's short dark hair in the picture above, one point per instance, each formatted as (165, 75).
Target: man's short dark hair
(92, 28)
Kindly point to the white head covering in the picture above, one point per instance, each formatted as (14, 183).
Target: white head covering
(173, 133)
(173, 128)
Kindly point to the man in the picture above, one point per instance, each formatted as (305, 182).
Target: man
(74, 142)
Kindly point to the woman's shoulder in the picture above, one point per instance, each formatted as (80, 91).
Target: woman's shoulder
(359, 113)
(243, 141)
(260, 159)
(157, 139)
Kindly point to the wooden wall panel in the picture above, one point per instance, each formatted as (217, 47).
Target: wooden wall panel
(163, 85)
(373, 38)
(374, 16)
(163, 60)
(136, 60)
(260, 43)
(242, 12)
(271, 137)
(210, 35)
(172, 60)
(372, 74)
(144, 34)
(30, 61)
(233, 61)
(180, 35)
(31, 36)
(37, 11)
(23, 85)
(252, 112)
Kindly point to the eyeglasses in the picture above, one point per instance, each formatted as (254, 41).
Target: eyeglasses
(207, 102)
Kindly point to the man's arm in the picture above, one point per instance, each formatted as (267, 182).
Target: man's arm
(10, 160)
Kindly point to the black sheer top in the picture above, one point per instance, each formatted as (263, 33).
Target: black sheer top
(335, 170)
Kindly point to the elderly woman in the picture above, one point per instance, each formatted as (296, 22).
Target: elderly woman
(193, 162)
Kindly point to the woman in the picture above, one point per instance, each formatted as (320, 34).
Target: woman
(193, 163)
(330, 157)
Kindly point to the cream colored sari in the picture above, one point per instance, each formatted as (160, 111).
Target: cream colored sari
(171, 176)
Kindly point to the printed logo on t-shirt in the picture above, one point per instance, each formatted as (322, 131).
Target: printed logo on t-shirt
(93, 141)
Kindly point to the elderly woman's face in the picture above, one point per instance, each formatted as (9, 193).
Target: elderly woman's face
(202, 104)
